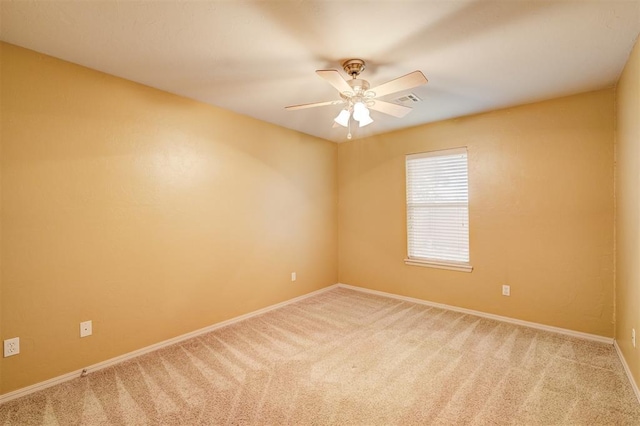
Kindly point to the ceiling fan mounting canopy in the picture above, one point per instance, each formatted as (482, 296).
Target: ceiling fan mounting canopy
(353, 67)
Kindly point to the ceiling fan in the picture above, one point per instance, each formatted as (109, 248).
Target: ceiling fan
(357, 96)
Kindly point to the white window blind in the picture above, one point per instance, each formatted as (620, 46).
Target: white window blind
(438, 208)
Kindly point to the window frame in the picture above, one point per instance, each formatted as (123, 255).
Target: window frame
(439, 263)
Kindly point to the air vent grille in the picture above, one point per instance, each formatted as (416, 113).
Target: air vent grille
(410, 99)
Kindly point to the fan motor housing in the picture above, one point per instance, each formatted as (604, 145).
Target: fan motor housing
(359, 86)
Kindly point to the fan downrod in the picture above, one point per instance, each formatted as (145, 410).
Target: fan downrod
(353, 67)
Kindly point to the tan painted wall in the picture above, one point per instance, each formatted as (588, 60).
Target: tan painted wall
(1, 215)
(541, 212)
(628, 212)
(150, 214)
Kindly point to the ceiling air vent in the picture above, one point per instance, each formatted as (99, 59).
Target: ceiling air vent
(407, 99)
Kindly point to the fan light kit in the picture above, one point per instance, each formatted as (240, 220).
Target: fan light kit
(357, 97)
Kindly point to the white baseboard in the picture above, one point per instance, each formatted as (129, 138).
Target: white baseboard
(108, 363)
(579, 334)
(627, 370)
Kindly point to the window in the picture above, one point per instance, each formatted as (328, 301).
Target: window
(438, 209)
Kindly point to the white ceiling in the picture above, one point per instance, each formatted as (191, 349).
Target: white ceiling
(256, 57)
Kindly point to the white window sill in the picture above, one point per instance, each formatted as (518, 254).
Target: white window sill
(461, 267)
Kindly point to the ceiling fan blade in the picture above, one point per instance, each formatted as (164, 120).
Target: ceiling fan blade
(389, 108)
(405, 82)
(313, 105)
(334, 78)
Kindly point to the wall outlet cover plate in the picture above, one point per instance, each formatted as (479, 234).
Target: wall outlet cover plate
(86, 329)
(11, 347)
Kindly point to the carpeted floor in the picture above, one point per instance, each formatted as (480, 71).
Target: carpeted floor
(349, 358)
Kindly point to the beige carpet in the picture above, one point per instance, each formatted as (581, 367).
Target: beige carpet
(346, 357)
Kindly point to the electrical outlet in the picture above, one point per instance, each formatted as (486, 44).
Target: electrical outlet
(633, 337)
(293, 276)
(11, 347)
(506, 290)
(86, 329)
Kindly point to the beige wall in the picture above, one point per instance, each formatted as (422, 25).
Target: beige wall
(541, 212)
(150, 214)
(1, 319)
(628, 212)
